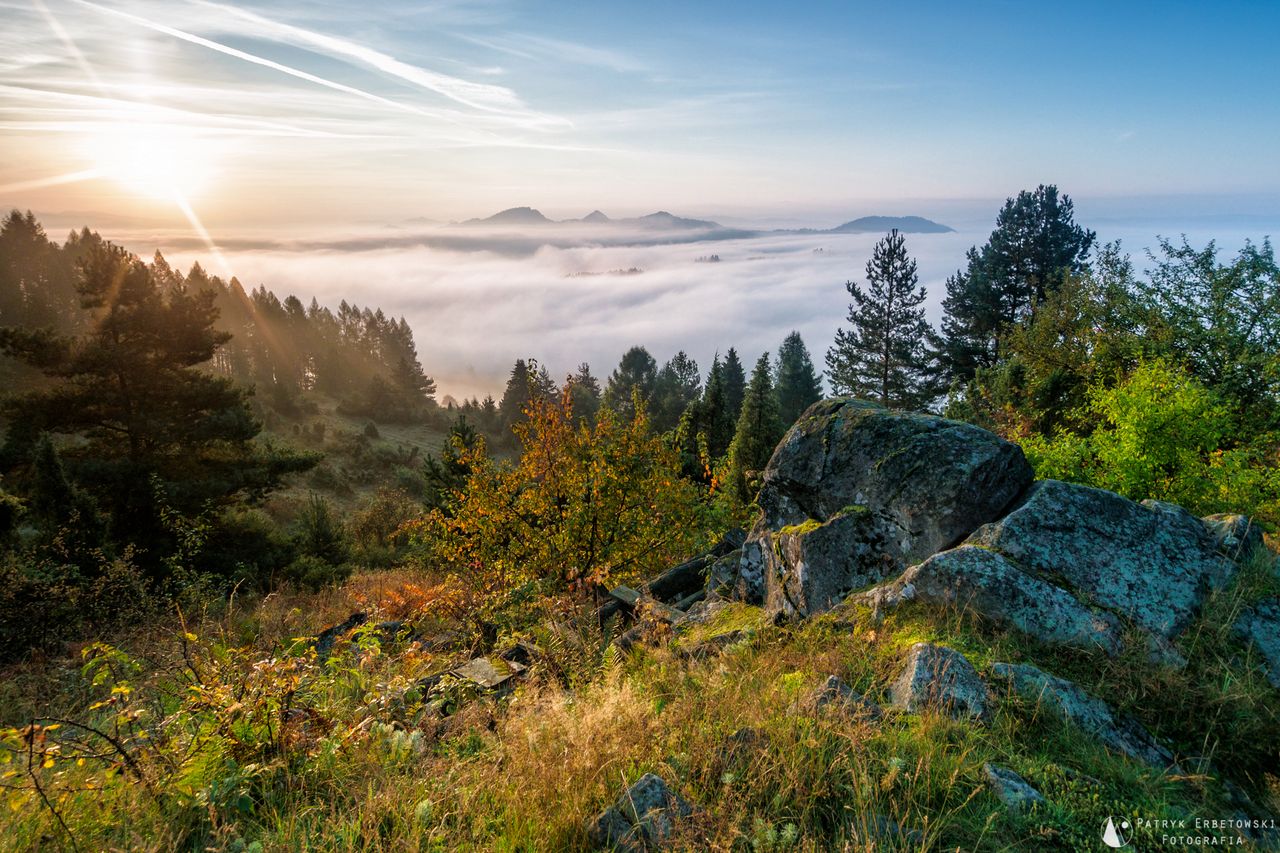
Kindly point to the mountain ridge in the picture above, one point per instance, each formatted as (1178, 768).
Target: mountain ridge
(666, 220)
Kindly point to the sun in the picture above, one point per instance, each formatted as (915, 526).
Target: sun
(153, 160)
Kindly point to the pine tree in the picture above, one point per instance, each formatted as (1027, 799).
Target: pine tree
(758, 431)
(735, 385)
(884, 354)
(1036, 242)
(152, 428)
(799, 385)
(636, 373)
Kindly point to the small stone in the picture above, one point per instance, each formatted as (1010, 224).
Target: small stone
(938, 677)
(835, 695)
(1238, 536)
(652, 807)
(1011, 789)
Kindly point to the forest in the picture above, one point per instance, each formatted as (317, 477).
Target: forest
(197, 480)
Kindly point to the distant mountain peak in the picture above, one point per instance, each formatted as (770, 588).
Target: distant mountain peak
(905, 224)
(596, 216)
(514, 216)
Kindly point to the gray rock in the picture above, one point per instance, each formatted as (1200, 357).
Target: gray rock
(986, 583)
(812, 567)
(1259, 626)
(1237, 535)
(749, 583)
(878, 490)
(1154, 564)
(722, 574)
(938, 677)
(654, 808)
(1011, 789)
(1065, 698)
(644, 816)
(835, 695)
(880, 827)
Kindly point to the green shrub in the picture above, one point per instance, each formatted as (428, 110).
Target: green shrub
(313, 573)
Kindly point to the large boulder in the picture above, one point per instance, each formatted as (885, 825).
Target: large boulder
(1153, 563)
(1066, 699)
(855, 493)
(986, 583)
(942, 679)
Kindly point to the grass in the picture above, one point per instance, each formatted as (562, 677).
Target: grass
(278, 752)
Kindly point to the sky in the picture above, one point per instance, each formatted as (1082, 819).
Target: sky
(220, 132)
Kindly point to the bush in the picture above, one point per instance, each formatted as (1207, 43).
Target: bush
(313, 573)
(319, 532)
(1161, 434)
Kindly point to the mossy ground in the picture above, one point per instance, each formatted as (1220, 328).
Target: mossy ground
(374, 769)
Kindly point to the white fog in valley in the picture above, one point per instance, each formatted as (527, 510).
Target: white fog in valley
(474, 310)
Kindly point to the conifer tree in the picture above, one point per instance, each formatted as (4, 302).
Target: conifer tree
(677, 385)
(799, 385)
(636, 373)
(758, 430)
(1036, 242)
(735, 385)
(584, 389)
(884, 355)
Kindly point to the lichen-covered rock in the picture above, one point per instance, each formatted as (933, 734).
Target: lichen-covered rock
(1010, 788)
(896, 487)
(748, 584)
(1237, 535)
(1154, 564)
(1065, 698)
(940, 678)
(1259, 626)
(986, 583)
(813, 566)
(644, 816)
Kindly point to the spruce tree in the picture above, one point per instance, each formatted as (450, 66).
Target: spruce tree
(518, 394)
(799, 385)
(735, 384)
(758, 430)
(884, 353)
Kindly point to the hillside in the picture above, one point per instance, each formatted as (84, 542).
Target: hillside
(752, 705)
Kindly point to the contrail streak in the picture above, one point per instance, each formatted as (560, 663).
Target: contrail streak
(68, 178)
(265, 63)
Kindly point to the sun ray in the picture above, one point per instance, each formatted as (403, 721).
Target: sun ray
(189, 212)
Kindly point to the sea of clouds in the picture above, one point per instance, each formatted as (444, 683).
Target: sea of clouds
(476, 308)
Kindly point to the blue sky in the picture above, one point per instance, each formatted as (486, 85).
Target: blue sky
(328, 113)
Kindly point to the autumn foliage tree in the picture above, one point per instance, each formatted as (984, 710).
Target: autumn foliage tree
(585, 504)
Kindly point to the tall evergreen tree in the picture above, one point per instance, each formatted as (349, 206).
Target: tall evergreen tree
(735, 385)
(758, 431)
(1036, 242)
(518, 394)
(637, 372)
(799, 385)
(884, 354)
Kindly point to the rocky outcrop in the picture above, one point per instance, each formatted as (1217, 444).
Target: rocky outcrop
(856, 493)
(987, 583)
(1065, 698)
(644, 816)
(1259, 626)
(1011, 789)
(940, 678)
(1153, 563)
